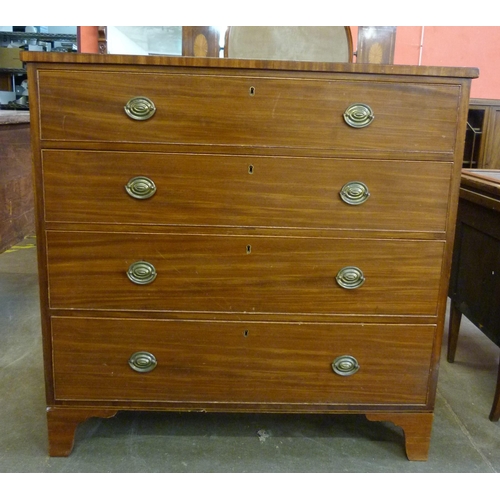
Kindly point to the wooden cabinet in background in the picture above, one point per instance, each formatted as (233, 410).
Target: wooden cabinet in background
(482, 143)
(17, 219)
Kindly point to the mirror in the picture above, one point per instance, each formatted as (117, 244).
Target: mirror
(144, 40)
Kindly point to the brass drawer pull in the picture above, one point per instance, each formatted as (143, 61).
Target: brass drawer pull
(358, 115)
(354, 193)
(345, 365)
(350, 277)
(142, 362)
(140, 188)
(140, 108)
(141, 273)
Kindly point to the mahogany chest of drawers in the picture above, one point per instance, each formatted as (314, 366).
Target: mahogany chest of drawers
(229, 235)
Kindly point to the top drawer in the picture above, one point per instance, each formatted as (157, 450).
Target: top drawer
(245, 110)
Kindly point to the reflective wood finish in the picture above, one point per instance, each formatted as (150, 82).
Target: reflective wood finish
(241, 292)
(244, 275)
(240, 362)
(264, 110)
(283, 191)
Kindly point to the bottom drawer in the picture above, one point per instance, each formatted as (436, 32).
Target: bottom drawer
(233, 362)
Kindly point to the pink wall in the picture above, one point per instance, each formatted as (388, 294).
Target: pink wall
(87, 39)
(468, 46)
(475, 46)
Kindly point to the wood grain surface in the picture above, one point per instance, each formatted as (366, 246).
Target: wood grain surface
(220, 110)
(218, 273)
(255, 191)
(240, 362)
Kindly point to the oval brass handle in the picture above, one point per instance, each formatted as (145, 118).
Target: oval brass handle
(142, 362)
(345, 365)
(141, 273)
(358, 115)
(140, 108)
(140, 188)
(354, 193)
(350, 277)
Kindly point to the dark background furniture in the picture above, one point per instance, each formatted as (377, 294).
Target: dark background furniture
(482, 142)
(475, 278)
(17, 218)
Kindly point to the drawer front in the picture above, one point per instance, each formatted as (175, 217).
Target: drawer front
(247, 111)
(242, 274)
(238, 362)
(216, 190)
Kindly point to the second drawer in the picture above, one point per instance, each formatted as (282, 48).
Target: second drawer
(83, 186)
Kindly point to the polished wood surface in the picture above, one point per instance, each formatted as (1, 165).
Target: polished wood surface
(200, 41)
(474, 284)
(239, 362)
(247, 232)
(185, 62)
(274, 276)
(285, 192)
(220, 110)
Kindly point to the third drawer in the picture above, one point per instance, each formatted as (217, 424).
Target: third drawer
(243, 274)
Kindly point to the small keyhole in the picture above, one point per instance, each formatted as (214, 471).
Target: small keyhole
(252, 91)
(250, 169)
(249, 249)
(245, 333)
